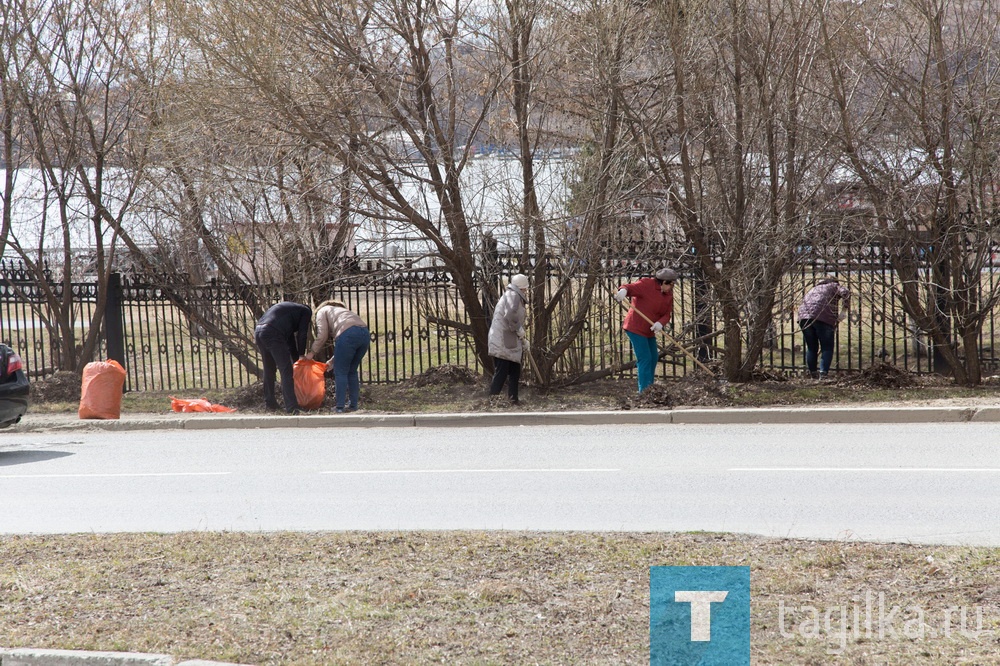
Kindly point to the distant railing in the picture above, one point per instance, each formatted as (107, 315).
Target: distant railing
(180, 337)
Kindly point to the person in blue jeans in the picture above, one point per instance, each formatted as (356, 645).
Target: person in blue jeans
(351, 340)
(818, 319)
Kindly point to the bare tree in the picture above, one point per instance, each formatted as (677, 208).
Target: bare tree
(562, 67)
(731, 118)
(71, 72)
(374, 85)
(12, 48)
(916, 89)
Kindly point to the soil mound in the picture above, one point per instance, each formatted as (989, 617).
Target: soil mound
(445, 375)
(655, 396)
(247, 397)
(764, 375)
(881, 375)
(692, 391)
(63, 386)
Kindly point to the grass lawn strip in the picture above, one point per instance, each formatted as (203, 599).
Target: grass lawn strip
(483, 597)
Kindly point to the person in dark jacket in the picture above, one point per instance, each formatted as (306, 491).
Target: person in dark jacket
(818, 320)
(653, 297)
(280, 336)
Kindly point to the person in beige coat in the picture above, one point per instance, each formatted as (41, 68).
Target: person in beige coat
(506, 338)
(351, 340)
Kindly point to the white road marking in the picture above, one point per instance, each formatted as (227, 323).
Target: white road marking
(865, 469)
(471, 471)
(108, 476)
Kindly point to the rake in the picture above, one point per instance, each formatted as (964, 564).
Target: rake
(670, 338)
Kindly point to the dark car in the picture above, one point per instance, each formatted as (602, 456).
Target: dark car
(13, 387)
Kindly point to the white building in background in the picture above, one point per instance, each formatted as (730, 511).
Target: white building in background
(492, 200)
(42, 227)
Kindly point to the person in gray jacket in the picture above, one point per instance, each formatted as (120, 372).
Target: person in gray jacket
(506, 339)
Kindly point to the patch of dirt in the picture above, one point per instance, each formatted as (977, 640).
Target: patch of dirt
(692, 391)
(445, 374)
(437, 387)
(881, 375)
(246, 398)
(454, 389)
(63, 386)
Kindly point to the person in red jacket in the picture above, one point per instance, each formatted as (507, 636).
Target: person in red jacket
(653, 297)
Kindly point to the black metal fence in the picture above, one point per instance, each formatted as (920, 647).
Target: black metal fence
(206, 341)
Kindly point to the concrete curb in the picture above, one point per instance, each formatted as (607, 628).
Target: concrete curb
(828, 415)
(33, 657)
(542, 418)
(692, 416)
(986, 415)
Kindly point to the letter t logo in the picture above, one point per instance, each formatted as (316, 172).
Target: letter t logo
(701, 611)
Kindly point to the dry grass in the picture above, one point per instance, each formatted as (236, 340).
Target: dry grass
(475, 598)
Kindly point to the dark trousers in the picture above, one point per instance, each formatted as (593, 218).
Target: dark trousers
(819, 338)
(504, 370)
(277, 355)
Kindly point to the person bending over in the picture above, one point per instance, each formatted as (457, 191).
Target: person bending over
(351, 341)
(280, 335)
(654, 298)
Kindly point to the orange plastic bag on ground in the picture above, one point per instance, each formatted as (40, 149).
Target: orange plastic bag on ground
(101, 390)
(310, 385)
(196, 405)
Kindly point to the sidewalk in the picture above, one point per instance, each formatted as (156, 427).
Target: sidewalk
(210, 421)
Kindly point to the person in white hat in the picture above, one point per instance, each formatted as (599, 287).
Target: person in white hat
(654, 298)
(506, 338)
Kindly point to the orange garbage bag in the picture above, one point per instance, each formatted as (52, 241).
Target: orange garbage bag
(310, 385)
(101, 390)
(196, 405)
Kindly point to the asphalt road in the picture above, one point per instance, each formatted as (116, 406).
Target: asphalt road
(928, 482)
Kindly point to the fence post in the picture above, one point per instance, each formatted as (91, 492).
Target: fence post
(114, 320)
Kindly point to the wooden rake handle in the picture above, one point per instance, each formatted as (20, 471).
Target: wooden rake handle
(668, 337)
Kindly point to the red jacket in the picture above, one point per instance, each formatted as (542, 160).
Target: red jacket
(648, 299)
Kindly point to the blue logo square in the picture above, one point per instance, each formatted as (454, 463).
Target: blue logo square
(699, 616)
